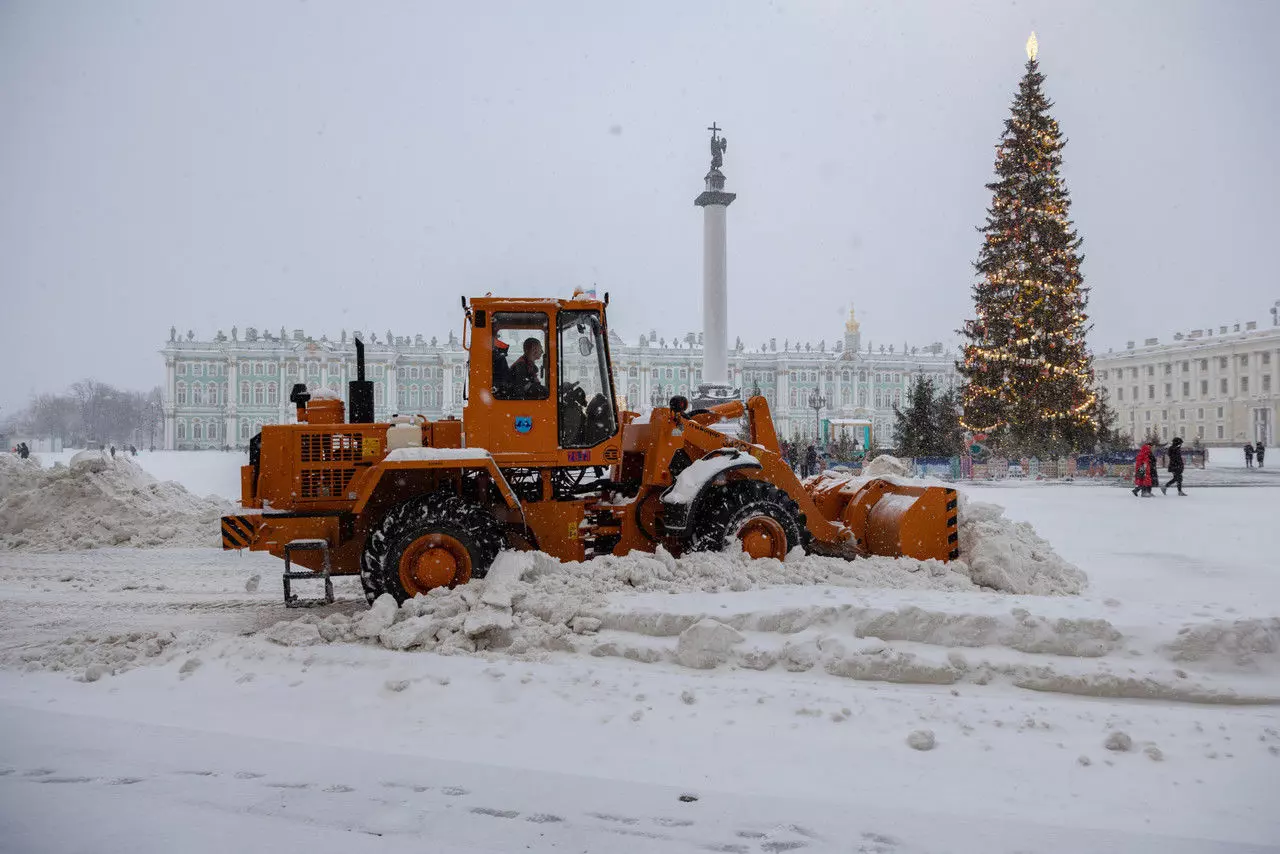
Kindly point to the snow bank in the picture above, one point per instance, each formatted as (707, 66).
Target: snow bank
(886, 465)
(532, 602)
(91, 506)
(1010, 556)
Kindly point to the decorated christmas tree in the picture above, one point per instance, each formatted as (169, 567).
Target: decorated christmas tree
(1028, 374)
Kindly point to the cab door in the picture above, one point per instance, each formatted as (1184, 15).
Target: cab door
(510, 406)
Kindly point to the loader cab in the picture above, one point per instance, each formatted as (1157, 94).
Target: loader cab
(541, 389)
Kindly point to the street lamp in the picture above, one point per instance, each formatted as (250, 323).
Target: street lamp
(816, 402)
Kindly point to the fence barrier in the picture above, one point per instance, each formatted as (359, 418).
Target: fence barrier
(1116, 464)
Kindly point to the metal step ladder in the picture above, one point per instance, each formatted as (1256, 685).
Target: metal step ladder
(291, 599)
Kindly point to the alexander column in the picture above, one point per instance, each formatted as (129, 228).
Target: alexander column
(715, 202)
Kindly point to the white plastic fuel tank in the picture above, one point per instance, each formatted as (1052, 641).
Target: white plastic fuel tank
(405, 432)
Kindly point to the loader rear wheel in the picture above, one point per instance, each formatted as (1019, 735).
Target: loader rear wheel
(759, 517)
(434, 541)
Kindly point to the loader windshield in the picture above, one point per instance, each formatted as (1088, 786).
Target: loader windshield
(587, 414)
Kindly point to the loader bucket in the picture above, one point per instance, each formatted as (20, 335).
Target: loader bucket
(891, 519)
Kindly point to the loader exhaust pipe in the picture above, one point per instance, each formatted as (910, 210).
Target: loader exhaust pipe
(360, 392)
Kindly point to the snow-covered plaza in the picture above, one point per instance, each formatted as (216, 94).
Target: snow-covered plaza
(156, 695)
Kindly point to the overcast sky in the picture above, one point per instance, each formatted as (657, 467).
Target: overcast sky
(332, 165)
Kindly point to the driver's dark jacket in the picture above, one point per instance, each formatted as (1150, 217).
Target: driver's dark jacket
(523, 377)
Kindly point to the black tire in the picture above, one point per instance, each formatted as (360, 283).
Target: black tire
(466, 523)
(722, 511)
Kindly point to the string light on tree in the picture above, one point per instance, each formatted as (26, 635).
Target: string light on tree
(1028, 373)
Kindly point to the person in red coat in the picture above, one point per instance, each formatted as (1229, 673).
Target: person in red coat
(1143, 471)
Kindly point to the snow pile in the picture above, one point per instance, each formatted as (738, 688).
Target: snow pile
(1010, 556)
(1248, 645)
(92, 656)
(886, 465)
(65, 509)
(532, 602)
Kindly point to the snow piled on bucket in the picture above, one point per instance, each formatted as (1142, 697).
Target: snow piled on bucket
(112, 502)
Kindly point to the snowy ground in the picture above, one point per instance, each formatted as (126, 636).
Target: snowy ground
(142, 688)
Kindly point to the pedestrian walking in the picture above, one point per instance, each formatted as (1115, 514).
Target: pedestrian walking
(1142, 471)
(1261, 452)
(1175, 466)
(113, 452)
(1248, 455)
(810, 460)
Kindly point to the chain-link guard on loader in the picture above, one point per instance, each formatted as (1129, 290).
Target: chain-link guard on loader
(455, 519)
(723, 511)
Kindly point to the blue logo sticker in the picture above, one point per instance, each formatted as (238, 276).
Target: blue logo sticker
(524, 423)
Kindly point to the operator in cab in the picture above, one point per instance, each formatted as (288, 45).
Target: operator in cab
(524, 377)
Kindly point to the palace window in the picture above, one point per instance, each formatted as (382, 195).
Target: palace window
(273, 394)
(1244, 385)
(180, 394)
(1223, 385)
(259, 394)
(197, 429)
(182, 428)
(197, 394)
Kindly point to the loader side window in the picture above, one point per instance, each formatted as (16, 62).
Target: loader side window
(520, 355)
(586, 402)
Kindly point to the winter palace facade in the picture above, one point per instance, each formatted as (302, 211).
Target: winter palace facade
(220, 392)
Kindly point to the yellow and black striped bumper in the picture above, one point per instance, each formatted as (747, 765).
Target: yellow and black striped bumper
(238, 532)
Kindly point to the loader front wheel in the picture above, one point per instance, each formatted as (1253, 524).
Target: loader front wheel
(760, 518)
(429, 542)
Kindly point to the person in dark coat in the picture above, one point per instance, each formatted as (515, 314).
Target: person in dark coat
(810, 461)
(1175, 466)
(1142, 471)
(1261, 452)
(1248, 455)
(526, 373)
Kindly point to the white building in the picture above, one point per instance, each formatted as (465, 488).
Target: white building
(1220, 385)
(221, 392)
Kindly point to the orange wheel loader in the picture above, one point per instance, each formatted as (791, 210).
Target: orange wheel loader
(543, 459)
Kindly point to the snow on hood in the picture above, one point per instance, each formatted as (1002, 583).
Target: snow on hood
(324, 394)
(404, 455)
